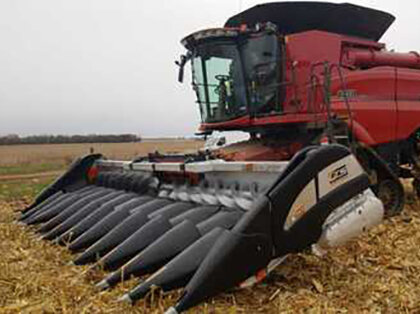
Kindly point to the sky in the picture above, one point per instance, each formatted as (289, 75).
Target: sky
(107, 66)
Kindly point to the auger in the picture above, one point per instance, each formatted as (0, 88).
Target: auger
(329, 124)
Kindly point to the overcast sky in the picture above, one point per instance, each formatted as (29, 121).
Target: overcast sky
(107, 66)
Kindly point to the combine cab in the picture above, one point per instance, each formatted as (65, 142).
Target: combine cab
(331, 122)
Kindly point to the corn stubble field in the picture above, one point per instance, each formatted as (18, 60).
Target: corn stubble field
(378, 272)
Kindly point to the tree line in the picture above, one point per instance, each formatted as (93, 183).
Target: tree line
(14, 139)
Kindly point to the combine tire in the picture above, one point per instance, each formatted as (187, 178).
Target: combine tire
(416, 187)
(386, 184)
(390, 194)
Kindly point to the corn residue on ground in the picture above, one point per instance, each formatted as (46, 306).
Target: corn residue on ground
(378, 272)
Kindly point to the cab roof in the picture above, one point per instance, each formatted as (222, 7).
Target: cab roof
(295, 17)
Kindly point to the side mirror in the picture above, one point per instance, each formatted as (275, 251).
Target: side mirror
(181, 63)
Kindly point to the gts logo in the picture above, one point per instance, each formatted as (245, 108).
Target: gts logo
(338, 174)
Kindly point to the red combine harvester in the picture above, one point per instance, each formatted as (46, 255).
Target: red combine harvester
(332, 123)
(292, 73)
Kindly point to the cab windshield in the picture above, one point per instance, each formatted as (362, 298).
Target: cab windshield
(233, 78)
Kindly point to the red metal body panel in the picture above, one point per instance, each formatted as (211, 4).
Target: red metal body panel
(373, 104)
(408, 102)
(382, 88)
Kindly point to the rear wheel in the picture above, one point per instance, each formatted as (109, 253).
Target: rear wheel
(389, 192)
(384, 182)
(416, 187)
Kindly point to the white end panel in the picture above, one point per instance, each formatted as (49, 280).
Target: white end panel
(169, 166)
(112, 164)
(351, 219)
(143, 166)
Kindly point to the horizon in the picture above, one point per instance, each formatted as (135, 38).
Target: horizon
(107, 67)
